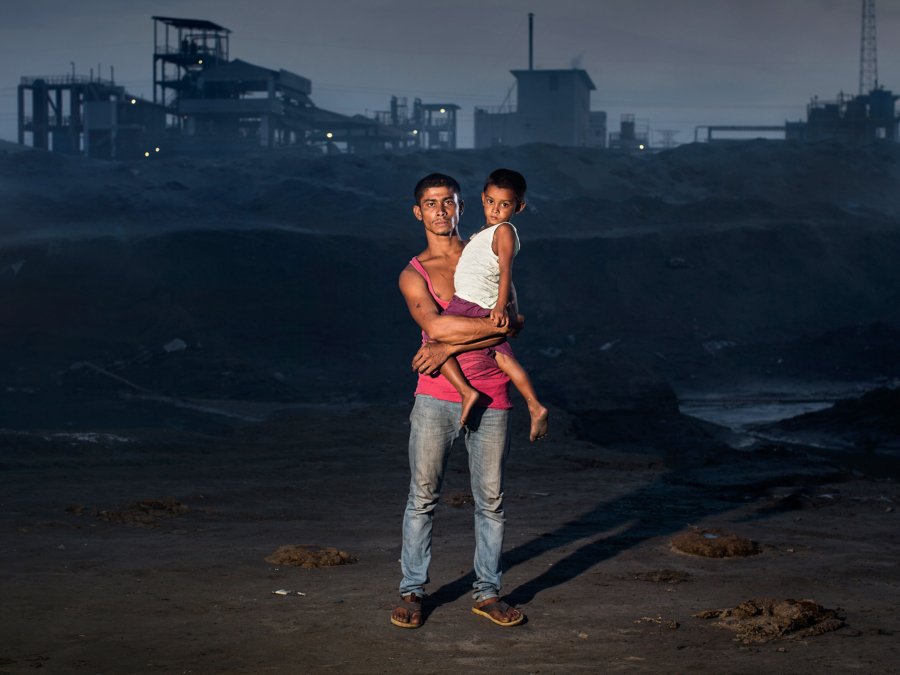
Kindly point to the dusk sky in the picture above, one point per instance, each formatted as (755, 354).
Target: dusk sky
(675, 63)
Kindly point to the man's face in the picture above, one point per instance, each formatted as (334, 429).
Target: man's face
(439, 209)
(500, 204)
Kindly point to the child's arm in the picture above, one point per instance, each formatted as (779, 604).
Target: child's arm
(504, 246)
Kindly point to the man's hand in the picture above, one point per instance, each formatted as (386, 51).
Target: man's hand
(515, 325)
(500, 316)
(430, 357)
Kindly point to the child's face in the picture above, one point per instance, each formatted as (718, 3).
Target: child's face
(500, 204)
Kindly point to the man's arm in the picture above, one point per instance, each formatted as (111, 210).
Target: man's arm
(452, 330)
(432, 355)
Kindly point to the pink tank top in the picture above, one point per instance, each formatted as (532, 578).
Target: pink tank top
(479, 368)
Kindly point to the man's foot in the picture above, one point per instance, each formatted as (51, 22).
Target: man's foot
(408, 614)
(499, 612)
(469, 399)
(540, 425)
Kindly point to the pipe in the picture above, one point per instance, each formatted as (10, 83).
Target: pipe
(530, 40)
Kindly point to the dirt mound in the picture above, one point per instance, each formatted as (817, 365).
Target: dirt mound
(219, 279)
(757, 621)
(142, 513)
(585, 188)
(873, 416)
(309, 557)
(664, 576)
(714, 544)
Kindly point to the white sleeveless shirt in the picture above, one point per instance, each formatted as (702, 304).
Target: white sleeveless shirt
(477, 277)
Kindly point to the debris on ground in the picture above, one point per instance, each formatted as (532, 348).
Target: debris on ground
(714, 544)
(141, 513)
(664, 576)
(671, 624)
(757, 621)
(309, 557)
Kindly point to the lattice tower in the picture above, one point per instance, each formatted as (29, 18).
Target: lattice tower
(868, 50)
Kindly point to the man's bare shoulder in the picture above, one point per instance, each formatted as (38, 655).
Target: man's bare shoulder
(410, 278)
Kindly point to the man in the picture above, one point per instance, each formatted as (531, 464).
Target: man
(427, 286)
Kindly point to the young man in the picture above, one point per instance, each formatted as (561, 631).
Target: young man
(427, 286)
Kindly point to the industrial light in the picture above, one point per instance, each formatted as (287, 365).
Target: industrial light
(415, 131)
(443, 110)
(157, 149)
(133, 101)
(329, 135)
(641, 146)
(200, 62)
(146, 154)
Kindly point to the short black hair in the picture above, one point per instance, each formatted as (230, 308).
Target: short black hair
(434, 180)
(508, 180)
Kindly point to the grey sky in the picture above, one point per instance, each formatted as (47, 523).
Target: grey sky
(675, 63)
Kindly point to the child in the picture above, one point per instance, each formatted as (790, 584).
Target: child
(483, 282)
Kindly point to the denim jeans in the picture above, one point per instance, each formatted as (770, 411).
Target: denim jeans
(434, 426)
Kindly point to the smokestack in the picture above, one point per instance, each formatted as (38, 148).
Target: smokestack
(530, 40)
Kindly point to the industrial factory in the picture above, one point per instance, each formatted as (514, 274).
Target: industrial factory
(206, 102)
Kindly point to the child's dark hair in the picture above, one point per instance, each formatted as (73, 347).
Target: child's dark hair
(508, 180)
(434, 180)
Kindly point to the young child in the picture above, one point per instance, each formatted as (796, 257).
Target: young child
(484, 287)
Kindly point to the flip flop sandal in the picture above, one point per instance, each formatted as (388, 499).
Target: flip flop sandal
(411, 608)
(499, 606)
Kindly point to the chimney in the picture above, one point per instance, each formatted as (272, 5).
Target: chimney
(530, 40)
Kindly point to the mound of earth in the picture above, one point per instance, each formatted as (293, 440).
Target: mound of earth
(714, 544)
(758, 621)
(309, 557)
(272, 277)
(141, 513)
(870, 422)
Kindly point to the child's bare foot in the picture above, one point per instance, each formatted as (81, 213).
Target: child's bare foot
(539, 422)
(469, 399)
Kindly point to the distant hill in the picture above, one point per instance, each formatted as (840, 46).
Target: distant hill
(278, 274)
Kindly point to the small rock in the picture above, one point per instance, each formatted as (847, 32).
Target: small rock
(175, 345)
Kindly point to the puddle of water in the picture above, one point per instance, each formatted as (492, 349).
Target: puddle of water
(738, 415)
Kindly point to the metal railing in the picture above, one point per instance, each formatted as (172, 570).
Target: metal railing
(66, 79)
(495, 109)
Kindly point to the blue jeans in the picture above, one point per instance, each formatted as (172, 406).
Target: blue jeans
(434, 426)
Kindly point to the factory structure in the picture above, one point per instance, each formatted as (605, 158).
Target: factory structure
(206, 102)
(552, 106)
(866, 117)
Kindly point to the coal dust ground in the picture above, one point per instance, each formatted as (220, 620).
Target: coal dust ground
(207, 360)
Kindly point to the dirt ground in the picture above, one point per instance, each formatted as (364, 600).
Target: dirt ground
(156, 317)
(184, 587)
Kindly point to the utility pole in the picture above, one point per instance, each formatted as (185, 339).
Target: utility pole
(868, 50)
